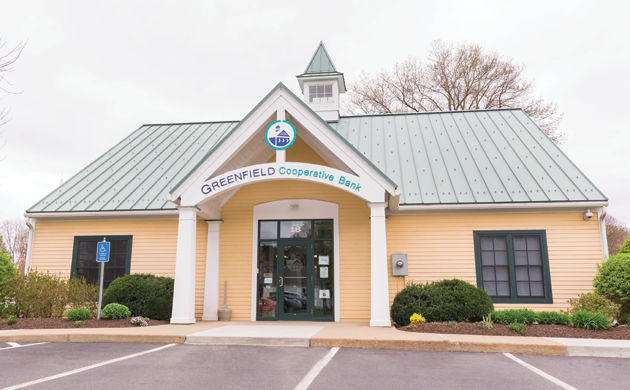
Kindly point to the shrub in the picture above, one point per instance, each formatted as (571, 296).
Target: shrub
(625, 248)
(452, 324)
(446, 300)
(485, 323)
(589, 320)
(78, 323)
(115, 311)
(626, 319)
(78, 314)
(593, 302)
(139, 321)
(518, 328)
(12, 320)
(7, 271)
(553, 318)
(613, 281)
(83, 295)
(508, 316)
(417, 319)
(145, 295)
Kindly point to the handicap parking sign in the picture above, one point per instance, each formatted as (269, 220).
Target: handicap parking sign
(102, 252)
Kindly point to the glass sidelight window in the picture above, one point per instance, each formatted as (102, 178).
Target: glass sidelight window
(513, 266)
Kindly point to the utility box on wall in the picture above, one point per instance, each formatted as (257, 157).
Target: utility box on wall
(399, 264)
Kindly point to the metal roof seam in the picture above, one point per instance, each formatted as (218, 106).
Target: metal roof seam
(562, 153)
(131, 179)
(538, 161)
(503, 156)
(430, 167)
(443, 160)
(458, 160)
(413, 157)
(105, 170)
(397, 153)
(76, 175)
(146, 177)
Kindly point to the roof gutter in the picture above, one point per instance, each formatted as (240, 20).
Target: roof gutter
(601, 217)
(488, 207)
(31, 239)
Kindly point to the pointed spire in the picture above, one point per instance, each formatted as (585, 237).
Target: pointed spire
(321, 62)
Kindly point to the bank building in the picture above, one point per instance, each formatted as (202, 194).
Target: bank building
(313, 216)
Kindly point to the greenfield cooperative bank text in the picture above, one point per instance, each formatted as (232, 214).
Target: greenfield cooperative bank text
(248, 175)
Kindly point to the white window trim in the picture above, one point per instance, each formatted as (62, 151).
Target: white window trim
(306, 209)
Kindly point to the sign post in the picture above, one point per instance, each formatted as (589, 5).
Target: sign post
(102, 256)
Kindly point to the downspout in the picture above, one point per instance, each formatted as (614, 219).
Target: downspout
(31, 238)
(601, 216)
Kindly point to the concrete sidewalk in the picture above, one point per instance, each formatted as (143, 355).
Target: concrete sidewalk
(326, 334)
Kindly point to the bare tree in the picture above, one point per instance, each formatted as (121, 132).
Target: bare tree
(453, 77)
(14, 234)
(6, 66)
(616, 234)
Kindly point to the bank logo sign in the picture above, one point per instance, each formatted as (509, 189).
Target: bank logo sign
(280, 135)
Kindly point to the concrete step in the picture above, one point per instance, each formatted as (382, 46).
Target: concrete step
(270, 335)
(595, 347)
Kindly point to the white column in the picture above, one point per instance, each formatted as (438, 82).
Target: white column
(184, 296)
(380, 288)
(211, 292)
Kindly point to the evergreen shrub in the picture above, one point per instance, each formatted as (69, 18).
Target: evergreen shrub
(446, 300)
(553, 318)
(78, 314)
(145, 295)
(613, 281)
(589, 320)
(508, 316)
(594, 302)
(625, 248)
(115, 311)
(7, 271)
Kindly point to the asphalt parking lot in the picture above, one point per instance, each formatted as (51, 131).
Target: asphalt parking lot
(151, 366)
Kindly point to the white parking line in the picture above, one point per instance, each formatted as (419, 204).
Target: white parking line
(317, 368)
(541, 373)
(16, 345)
(49, 378)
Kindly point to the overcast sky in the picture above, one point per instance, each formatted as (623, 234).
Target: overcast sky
(91, 74)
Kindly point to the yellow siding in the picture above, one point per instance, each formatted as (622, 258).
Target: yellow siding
(153, 249)
(354, 236)
(442, 247)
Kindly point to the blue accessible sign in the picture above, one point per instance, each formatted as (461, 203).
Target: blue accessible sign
(102, 252)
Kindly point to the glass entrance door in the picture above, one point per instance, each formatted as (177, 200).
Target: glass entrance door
(295, 280)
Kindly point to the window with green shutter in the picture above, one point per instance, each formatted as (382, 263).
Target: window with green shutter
(513, 266)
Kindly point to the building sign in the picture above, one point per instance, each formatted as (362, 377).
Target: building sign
(285, 171)
(280, 135)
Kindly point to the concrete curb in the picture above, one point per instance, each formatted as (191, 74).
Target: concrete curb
(595, 347)
(91, 338)
(444, 345)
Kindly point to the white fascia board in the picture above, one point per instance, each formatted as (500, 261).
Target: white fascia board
(339, 148)
(103, 215)
(231, 145)
(498, 208)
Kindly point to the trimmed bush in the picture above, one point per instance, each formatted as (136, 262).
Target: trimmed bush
(508, 316)
(625, 248)
(145, 295)
(613, 281)
(594, 302)
(115, 311)
(446, 300)
(78, 314)
(588, 320)
(553, 318)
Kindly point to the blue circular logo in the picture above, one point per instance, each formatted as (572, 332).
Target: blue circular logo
(280, 135)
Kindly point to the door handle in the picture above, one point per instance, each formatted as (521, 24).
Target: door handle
(281, 281)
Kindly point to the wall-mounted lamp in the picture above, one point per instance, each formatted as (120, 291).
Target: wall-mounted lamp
(588, 215)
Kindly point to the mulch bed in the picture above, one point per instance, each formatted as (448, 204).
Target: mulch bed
(621, 332)
(63, 323)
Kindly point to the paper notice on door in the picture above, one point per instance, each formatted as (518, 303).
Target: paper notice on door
(323, 260)
(268, 280)
(323, 272)
(324, 294)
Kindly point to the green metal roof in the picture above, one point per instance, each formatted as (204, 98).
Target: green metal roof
(486, 156)
(320, 63)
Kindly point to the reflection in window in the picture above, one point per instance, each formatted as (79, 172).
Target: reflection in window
(295, 229)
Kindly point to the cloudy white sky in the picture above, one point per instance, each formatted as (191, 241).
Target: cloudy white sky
(92, 72)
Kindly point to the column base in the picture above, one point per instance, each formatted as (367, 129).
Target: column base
(385, 323)
(183, 321)
(210, 318)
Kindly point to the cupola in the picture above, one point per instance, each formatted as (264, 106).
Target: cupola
(321, 85)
